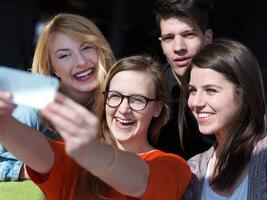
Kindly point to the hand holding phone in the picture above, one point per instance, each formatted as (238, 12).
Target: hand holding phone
(27, 88)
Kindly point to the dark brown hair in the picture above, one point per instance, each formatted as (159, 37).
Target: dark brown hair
(239, 66)
(197, 10)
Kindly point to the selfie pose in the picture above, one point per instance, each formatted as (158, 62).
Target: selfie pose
(112, 157)
(74, 50)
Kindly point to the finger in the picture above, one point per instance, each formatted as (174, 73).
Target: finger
(5, 96)
(72, 105)
(75, 113)
(60, 123)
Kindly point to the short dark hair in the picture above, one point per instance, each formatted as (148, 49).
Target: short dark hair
(197, 10)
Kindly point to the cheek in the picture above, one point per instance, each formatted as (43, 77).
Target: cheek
(109, 113)
(233, 112)
(195, 45)
(190, 102)
(166, 49)
(145, 119)
(92, 56)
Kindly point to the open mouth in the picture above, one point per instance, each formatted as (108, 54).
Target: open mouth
(204, 117)
(124, 122)
(85, 75)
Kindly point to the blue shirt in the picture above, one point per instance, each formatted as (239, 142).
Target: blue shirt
(9, 166)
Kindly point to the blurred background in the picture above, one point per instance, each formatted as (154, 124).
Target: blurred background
(129, 25)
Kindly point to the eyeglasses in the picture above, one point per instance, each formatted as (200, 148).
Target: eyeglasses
(136, 102)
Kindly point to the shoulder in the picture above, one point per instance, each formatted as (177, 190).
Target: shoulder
(19, 110)
(168, 164)
(263, 142)
(169, 175)
(169, 75)
(198, 163)
(161, 156)
(27, 115)
(261, 147)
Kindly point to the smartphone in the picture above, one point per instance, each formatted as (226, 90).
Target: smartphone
(27, 88)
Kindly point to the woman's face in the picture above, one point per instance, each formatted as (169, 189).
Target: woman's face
(128, 125)
(213, 101)
(75, 63)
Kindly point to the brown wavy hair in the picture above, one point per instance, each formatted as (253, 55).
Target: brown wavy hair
(239, 66)
(92, 185)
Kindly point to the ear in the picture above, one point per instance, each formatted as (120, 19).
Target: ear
(158, 109)
(208, 36)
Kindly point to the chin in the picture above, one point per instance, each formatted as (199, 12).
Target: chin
(206, 132)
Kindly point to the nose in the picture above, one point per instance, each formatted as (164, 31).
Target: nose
(80, 59)
(179, 45)
(196, 101)
(124, 106)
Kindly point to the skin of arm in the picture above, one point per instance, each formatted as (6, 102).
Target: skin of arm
(26, 143)
(78, 127)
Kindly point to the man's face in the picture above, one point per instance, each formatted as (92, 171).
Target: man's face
(180, 40)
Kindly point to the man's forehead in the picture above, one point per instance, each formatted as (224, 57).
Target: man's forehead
(178, 24)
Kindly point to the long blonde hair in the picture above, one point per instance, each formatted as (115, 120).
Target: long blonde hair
(80, 29)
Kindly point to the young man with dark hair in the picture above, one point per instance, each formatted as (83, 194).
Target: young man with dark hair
(184, 30)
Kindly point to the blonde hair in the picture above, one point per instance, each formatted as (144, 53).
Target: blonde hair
(80, 29)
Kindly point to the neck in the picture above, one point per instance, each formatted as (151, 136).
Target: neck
(135, 147)
(178, 78)
(78, 96)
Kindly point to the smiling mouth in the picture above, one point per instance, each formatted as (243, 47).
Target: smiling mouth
(86, 75)
(124, 122)
(203, 117)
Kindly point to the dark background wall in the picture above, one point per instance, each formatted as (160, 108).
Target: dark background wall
(129, 25)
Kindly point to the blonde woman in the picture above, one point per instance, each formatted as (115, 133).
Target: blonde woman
(73, 49)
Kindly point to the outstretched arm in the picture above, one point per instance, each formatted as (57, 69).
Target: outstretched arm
(124, 171)
(26, 143)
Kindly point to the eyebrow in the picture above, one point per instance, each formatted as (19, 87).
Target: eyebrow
(61, 50)
(206, 86)
(185, 31)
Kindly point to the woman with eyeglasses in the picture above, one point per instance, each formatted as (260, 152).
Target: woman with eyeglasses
(107, 158)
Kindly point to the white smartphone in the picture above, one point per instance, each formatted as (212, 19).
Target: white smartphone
(27, 88)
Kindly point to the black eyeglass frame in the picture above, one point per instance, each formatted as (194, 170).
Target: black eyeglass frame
(147, 100)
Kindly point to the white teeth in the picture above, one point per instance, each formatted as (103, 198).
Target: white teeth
(84, 73)
(124, 121)
(203, 115)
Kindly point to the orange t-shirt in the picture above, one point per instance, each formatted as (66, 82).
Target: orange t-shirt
(168, 179)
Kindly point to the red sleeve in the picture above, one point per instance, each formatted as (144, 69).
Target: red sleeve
(61, 181)
(169, 176)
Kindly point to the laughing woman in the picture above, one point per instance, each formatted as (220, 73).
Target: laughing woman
(73, 49)
(226, 95)
(110, 159)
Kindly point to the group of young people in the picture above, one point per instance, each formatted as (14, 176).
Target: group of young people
(106, 134)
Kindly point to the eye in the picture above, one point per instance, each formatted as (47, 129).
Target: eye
(63, 56)
(113, 95)
(168, 37)
(137, 99)
(189, 35)
(86, 47)
(211, 91)
(192, 91)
